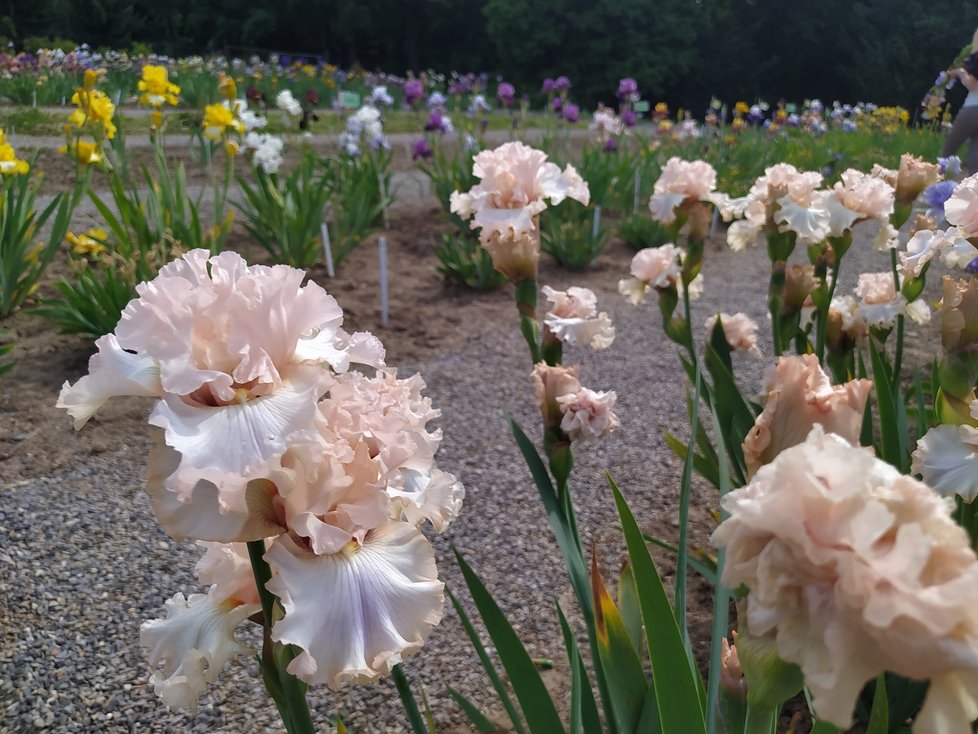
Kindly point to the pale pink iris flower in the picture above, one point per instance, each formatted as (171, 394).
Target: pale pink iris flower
(681, 182)
(854, 569)
(797, 396)
(516, 181)
(574, 319)
(265, 430)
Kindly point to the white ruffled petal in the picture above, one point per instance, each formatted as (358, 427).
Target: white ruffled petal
(356, 613)
(742, 234)
(200, 515)
(960, 252)
(810, 224)
(436, 498)
(597, 332)
(841, 218)
(229, 444)
(729, 207)
(564, 185)
(663, 205)
(947, 459)
(193, 643)
(112, 372)
(507, 222)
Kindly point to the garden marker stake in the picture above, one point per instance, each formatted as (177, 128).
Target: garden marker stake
(638, 185)
(383, 198)
(715, 222)
(382, 246)
(597, 222)
(327, 249)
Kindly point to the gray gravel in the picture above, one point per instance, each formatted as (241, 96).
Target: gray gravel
(83, 561)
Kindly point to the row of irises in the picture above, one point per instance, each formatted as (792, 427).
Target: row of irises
(846, 528)
(146, 218)
(49, 77)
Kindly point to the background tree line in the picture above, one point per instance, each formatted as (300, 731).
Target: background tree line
(680, 51)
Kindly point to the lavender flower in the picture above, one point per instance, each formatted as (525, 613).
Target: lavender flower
(438, 122)
(627, 88)
(420, 149)
(479, 104)
(506, 93)
(572, 112)
(935, 196)
(413, 91)
(380, 96)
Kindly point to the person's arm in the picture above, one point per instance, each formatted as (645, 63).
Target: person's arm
(969, 82)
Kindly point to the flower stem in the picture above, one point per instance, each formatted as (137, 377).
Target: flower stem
(526, 304)
(288, 691)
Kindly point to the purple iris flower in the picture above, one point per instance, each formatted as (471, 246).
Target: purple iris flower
(627, 88)
(936, 194)
(420, 149)
(572, 113)
(413, 91)
(972, 267)
(562, 84)
(506, 93)
(610, 145)
(557, 103)
(435, 123)
(548, 86)
(941, 79)
(628, 118)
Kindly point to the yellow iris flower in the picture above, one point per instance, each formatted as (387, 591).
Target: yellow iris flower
(88, 244)
(218, 119)
(83, 151)
(94, 106)
(227, 87)
(9, 163)
(156, 87)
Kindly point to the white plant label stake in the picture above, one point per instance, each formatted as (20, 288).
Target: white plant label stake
(382, 247)
(597, 222)
(638, 185)
(383, 198)
(327, 249)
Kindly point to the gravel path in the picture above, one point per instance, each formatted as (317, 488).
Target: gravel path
(83, 561)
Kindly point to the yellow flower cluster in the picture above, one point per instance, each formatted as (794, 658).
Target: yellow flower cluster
(156, 87)
(90, 244)
(95, 109)
(886, 120)
(9, 163)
